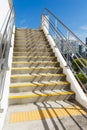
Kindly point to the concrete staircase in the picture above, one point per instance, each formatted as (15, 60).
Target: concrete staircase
(36, 74)
(40, 97)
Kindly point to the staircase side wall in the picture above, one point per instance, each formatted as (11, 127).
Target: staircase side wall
(4, 100)
(4, 10)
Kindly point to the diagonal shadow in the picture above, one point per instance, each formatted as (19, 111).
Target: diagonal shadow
(57, 117)
(71, 116)
(79, 109)
(46, 127)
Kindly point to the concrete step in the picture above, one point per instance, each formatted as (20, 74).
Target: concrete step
(30, 42)
(37, 78)
(21, 31)
(31, 39)
(37, 86)
(36, 70)
(33, 54)
(29, 32)
(36, 64)
(32, 47)
(30, 35)
(38, 96)
(34, 58)
(41, 44)
(35, 49)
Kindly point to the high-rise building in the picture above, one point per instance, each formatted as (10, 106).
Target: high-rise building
(86, 40)
(86, 45)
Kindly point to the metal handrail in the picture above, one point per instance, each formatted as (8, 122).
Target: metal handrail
(64, 26)
(63, 38)
(5, 47)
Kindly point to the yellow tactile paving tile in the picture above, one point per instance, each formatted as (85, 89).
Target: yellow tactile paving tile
(45, 113)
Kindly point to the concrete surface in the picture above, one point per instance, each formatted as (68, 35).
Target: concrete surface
(77, 122)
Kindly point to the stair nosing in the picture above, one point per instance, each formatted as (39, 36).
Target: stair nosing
(35, 62)
(33, 75)
(35, 68)
(38, 93)
(25, 84)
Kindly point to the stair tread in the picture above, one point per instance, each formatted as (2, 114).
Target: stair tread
(29, 68)
(34, 56)
(30, 75)
(29, 52)
(26, 84)
(40, 93)
(18, 62)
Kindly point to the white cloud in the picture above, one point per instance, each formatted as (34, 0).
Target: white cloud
(82, 35)
(84, 27)
(23, 23)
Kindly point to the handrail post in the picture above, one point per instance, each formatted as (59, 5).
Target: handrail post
(67, 49)
(44, 22)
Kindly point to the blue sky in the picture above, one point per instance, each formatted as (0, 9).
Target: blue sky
(73, 13)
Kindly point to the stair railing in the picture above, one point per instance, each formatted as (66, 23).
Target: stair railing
(5, 44)
(71, 47)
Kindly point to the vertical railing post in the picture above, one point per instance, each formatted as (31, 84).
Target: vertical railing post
(67, 51)
(55, 30)
(45, 22)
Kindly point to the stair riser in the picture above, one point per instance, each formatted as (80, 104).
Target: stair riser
(37, 71)
(26, 44)
(28, 33)
(36, 88)
(32, 46)
(32, 49)
(38, 79)
(33, 54)
(32, 37)
(29, 48)
(37, 99)
(36, 64)
(34, 59)
(30, 41)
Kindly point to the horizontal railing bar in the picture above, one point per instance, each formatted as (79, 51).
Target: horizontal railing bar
(65, 27)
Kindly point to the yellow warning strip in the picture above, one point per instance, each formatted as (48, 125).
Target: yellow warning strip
(35, 62)
(36, 68)
(45, 114)
(34, 56)
(27, 52)
(40, 95)
(29, 76)
(22, 85)
(38, 84)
